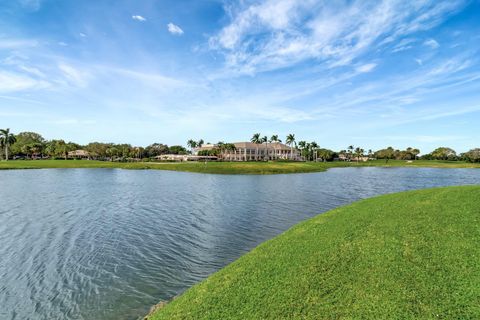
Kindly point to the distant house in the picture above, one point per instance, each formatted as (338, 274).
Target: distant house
(248, 151)
(352, 157)
(184, 157)
(79, 154)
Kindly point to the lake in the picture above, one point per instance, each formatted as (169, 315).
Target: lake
(109, 243)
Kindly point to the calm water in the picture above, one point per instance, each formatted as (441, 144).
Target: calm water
(108, 244)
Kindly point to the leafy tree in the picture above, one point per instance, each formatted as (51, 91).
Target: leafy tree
(156, 149)
(387, 154)
(98, 149)
(326, 154)
(444, 153)
(177, 150)
(27, 138)
(472, 155)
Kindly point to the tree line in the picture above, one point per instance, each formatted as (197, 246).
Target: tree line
(32, 145)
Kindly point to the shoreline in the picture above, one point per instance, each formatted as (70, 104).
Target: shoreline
(267, 282)
(233, 168)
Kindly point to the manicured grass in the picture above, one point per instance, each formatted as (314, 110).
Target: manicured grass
(413, 255)
(271, 167)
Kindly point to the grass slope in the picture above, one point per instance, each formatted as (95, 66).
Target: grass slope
(401, 256)
(229, 167)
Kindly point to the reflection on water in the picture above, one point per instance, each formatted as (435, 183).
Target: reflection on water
(108, 244)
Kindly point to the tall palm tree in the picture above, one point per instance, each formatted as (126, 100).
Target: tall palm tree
(7, 139)
(302, 145)
(314, 147)
(274, 139)
(257, 140)
(200, 143)
(290, 141)
(350, 150)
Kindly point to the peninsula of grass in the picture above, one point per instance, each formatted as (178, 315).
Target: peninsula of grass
(271, 167)
(412, 255)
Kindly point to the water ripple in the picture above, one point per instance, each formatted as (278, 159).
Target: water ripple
(108, 244)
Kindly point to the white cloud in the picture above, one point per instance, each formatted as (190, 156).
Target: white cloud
(63, 44)
(10, 82)
(138, 18)
(81, 34)
(281, 33)
(32, 70)
(432, 43)
(366, 67)
(419, 61)
(73, 75)
(17, 43)
(174, 29)
(404, 44)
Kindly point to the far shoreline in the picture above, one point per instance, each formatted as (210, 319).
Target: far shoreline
(232, 168)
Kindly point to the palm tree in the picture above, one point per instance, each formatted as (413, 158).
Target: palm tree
(302, 145)
(290, 141)
(359, 153)
(229, 147)
(350, 150)
(257, 140)
(192, 144)
(274, 139)
(200, 143)
(314, 147)
(6, 139)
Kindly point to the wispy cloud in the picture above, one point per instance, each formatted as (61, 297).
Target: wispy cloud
(404, 44)
(281, 33)
(11, 82)
(366, 67)
(432, 43)
(74, 76)
(138, 18)
(17, 43)
(174, 29)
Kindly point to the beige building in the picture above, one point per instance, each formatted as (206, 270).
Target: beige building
(248, 151)
(79, 154)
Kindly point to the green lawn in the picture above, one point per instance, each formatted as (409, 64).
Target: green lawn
(413, 255)
(227, 167)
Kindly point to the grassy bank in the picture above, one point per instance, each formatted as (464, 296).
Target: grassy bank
(403, 256)
(228, 167)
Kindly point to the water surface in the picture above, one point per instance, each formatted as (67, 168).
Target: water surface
(109, 243)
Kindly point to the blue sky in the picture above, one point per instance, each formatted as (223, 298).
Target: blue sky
(367, 73)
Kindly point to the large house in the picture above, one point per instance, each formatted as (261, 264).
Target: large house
(248, 151)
